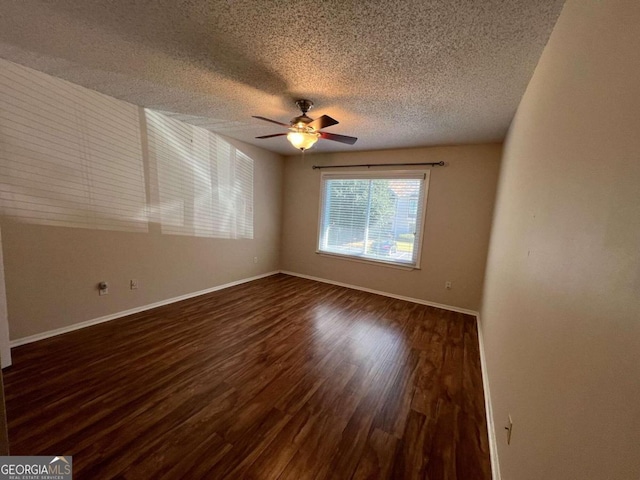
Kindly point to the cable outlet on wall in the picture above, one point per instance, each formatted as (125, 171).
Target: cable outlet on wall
(133, 284)
(509, 429)
(447, 285)
(103, 288)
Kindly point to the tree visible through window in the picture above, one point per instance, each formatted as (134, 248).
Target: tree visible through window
(373, 216)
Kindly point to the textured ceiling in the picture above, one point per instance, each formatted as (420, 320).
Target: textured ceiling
(397, 73)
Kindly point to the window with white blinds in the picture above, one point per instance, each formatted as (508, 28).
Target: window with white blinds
(205, 185)
(373, 216)
(69, 156)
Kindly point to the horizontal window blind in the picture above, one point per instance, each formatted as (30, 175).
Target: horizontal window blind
(375, 216)
(69, 156)
(205, 185)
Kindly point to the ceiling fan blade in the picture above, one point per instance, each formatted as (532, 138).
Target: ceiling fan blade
(272, 121)
(338, 138)
(274, 135)
(323, 122)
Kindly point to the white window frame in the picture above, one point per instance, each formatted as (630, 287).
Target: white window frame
(368, 175)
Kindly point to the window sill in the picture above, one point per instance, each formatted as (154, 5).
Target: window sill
(370, 261)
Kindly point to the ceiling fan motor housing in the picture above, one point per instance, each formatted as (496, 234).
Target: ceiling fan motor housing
(302, 120)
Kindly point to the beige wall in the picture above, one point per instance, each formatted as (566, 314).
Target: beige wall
(75, 158)
(561, 310)
(460, 204)
(52, 272)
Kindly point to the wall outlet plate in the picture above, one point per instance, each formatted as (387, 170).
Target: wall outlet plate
(133, 284)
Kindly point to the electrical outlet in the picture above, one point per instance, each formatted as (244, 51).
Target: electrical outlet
(509, 429)
(255, 259)
(103, 288)
(133, 284)
(447, 285)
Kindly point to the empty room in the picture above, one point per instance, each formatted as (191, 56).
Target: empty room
(244, 239)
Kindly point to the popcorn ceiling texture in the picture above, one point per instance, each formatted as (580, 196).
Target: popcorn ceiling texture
(397, 73)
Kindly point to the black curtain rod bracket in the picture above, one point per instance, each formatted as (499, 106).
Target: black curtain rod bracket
(369, 165)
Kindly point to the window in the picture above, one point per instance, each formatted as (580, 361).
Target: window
(373, 216)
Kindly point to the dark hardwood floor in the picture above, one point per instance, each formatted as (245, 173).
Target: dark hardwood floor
(280, 378)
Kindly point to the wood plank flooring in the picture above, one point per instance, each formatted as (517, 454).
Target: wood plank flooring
(280, 378)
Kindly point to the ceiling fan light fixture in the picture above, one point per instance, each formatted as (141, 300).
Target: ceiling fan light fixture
(302, 140)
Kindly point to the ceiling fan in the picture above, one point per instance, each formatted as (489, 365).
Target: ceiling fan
(304, 131)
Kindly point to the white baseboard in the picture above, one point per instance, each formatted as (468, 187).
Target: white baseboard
(113, 316)
(491, 430)
(386, 294)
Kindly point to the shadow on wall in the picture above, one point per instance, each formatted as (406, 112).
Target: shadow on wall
(75, 158)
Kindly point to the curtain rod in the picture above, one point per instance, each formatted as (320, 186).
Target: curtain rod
(369, 165)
